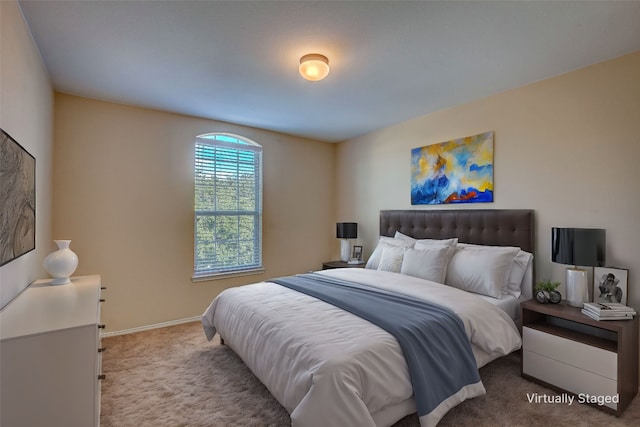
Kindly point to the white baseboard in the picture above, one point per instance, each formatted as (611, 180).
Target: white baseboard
(149, 327)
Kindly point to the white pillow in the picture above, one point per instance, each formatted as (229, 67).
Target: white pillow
(391, 259)
(374, 259)
(399, 235)
(518, 269)
(482, 270)
(425, 242)
(429, 263)
(487, 247)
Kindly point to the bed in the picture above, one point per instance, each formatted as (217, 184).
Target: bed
(328, 366)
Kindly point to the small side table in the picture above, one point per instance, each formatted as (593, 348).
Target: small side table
(567, 351)
(340, 264)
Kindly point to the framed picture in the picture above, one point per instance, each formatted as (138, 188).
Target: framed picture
(455, 171)
(18, 198)
(357, 253)
(610, 284)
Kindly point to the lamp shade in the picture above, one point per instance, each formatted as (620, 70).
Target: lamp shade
(578, 246)
(347, 230)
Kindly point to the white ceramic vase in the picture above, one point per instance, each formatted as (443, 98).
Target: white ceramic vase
(62, 263)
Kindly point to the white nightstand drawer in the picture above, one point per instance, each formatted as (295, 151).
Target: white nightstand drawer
(601, 362)
(568, 377)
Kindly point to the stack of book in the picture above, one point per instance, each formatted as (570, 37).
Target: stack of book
(608, 311)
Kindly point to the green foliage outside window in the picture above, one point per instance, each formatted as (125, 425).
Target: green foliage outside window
(228, 204)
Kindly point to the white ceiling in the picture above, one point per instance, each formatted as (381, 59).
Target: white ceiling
(236, 61)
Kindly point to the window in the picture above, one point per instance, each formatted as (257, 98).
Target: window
(228, 205)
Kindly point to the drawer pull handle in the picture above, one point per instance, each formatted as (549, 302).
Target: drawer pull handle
(101, 349)
(102, 376)
(102, 300)
(103, 287)
(101, 326)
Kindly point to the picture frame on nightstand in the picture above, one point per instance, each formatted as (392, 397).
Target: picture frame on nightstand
(610, 285)
(357, 253)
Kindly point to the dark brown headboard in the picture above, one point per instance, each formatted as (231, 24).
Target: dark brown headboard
(496, 227)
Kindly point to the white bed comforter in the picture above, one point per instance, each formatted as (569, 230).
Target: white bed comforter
(328, 367)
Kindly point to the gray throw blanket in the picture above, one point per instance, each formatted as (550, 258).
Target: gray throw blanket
(432, 337)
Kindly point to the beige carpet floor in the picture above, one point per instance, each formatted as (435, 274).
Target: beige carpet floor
(174, 377)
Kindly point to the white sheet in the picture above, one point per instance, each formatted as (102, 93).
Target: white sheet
(329, 367)
(508, 303)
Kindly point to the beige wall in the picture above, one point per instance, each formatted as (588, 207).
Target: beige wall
(123, 193)
(26, 113)
(568, 147)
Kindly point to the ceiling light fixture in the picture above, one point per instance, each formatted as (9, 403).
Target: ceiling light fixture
(314, 67)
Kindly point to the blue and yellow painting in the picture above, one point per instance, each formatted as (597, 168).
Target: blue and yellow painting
(456, 171)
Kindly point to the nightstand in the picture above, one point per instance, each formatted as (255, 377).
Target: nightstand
(340, 264)
(569, 352)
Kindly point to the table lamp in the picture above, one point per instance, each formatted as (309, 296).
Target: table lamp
(578, 247)
(346, 231)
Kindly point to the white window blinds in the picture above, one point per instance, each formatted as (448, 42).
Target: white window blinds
(228, 205)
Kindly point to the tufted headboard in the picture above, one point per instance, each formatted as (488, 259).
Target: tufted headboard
(496, 227)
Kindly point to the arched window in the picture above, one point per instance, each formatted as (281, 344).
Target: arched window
(228, 205)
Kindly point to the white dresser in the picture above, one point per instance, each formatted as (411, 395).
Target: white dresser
(50, 355)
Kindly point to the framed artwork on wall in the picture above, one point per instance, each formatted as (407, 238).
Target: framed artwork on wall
(610, 284)
(18, 195)
(456, 171)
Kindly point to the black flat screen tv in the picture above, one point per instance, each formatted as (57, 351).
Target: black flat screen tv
(17, 199)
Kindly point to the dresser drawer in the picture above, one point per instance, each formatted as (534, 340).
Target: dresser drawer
(603, 363)
(568, 377)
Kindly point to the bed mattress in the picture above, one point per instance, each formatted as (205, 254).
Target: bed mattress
(327, 366)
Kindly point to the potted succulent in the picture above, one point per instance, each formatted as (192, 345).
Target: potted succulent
(546, 292)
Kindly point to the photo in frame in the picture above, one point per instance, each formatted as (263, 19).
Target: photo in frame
(18, 196)
(610, 284)
(357, 253)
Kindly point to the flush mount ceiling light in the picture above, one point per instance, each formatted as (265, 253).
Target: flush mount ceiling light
(314, 67)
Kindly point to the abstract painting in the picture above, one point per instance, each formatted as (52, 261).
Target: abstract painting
(18, 196)
(456, 171)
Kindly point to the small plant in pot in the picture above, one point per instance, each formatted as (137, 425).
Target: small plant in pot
(546, 292)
